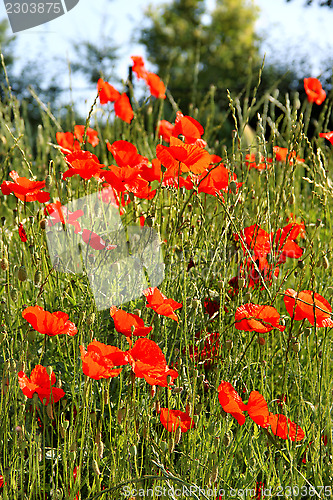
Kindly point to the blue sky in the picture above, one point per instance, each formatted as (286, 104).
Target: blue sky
(290, 31)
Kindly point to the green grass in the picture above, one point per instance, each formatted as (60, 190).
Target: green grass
(109, 429)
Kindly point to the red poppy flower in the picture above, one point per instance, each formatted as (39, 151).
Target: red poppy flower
(84, 164)
(172, 419)
(256, 240)
(152, 173)
(170, 179)
(47, 323)
(59, 213)
(211, 306)
(139, 67)
(161, 304)
(314, 90)
(67, 142)
(207, 349)
(281, 155)
(256, 318)
(128, 323)
(107, 93)
(328, 136)
(282, 427)
(231, 401)
(215, 180)
(127, 179)
(188, 127)
(156, 86)
(285, 243)
(99, 360)
(95, 241)
(258, 410)
(40, 382)
(165, 129)
(180, 157)
(24, 189)
(22, 233)
(123, 108)
(92, 135)
(308, 305)
(250, 161)
(126, 154)
(148, 362)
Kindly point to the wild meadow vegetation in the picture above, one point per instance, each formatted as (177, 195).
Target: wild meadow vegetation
(218, 381)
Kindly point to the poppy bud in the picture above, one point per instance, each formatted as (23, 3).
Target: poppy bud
(149, 221)
(152, 391)
(261, 341)
(291, 199)
(121, 414)
(14, 294)
(131, 196)
(195, 303)
(171, 445)
(296, 346)
(189, 408)
(233, 187)
(22, 273)
(164, 446)
(90, 319)
(42, 224)
(157, 407)
(301, 264)
(214, 474)
(227, 438)
(100, 449)
(228, 344)
(325, 262)
(96, 468)
(48, 181)
(49, 411)
(35, 398)
(37, 278)
(4, 264)
(178, 434)
(177, 390)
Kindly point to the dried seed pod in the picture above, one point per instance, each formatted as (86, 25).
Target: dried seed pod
(22, 273)
(4, 264)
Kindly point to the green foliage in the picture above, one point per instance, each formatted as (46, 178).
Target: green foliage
(197, 51)
(109, 431)
(94, 61)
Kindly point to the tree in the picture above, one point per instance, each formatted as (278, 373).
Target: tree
(196, 52)
(93, 61)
